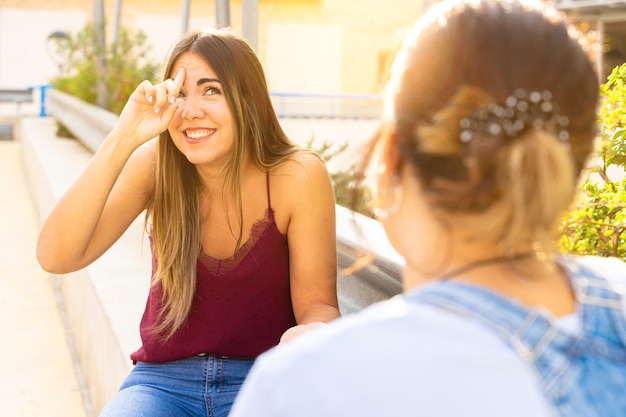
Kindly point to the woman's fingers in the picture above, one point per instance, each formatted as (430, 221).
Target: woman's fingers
(151, 108)
(163, 94)
(166, 92)
(160, 96)
(145, 88)
(172, 90)
(180, 78)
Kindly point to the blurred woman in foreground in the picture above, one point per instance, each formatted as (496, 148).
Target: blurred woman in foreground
(491, 116)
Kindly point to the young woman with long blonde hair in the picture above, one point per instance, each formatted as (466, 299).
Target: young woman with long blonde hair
(241, 224)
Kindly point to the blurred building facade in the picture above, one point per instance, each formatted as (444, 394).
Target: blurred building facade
(605, 23)
(306, 46)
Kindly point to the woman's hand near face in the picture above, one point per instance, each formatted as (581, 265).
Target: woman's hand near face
(150, 109)
(115, 187)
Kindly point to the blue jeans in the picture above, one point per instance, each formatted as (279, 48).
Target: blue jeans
(580, 375)
(195, 386)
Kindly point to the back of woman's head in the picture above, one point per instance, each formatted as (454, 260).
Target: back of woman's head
(493, 103)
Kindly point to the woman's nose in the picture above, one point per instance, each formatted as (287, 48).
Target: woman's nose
(191, 109)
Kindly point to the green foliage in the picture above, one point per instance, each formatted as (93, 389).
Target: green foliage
(126, 66)
(346, 192)
(613, 120)
(596, 224)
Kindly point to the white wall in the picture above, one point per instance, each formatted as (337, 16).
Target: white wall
(163, 31)
(24, 49)
(300, 57)
(303, 58)
(24, 55)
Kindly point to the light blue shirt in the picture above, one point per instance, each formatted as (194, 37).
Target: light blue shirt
(398, 358)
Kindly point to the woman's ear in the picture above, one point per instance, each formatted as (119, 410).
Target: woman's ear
(390, 153)
(387, 188)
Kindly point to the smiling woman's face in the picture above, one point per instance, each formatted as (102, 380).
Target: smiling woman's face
(202, 128)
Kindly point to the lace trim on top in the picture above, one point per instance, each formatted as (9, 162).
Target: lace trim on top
(219, 266)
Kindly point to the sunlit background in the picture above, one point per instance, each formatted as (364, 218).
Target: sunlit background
(326, 62)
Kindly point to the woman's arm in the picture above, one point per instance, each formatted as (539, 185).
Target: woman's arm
(311, 235)
(114, 188)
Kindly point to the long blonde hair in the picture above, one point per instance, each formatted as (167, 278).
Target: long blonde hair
(174, 216)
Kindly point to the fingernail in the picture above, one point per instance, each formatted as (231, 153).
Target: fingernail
(158, 109)
(150, 99)
(172, 99)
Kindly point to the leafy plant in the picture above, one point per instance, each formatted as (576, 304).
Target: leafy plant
(126, 61)
(597, 223)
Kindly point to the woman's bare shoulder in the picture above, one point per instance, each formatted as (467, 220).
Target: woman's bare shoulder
(302, 165)
(146, 152)
(301, 181)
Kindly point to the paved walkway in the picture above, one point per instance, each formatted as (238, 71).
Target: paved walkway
(37, 376)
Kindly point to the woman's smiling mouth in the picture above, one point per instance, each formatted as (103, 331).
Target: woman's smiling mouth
(196, 135)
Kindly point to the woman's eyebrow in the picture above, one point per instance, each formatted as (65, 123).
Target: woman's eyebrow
(207, 80)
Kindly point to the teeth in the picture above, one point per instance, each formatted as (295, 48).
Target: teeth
(200, 133)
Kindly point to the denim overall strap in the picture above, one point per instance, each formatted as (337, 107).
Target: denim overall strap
(600, 300)
(580, 375)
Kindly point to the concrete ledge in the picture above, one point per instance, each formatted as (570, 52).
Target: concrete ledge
(104, 301)
(93, 124)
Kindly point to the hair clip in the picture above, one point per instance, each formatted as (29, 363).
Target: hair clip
(521, 111)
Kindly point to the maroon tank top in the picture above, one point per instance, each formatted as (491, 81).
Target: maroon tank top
(241, 307)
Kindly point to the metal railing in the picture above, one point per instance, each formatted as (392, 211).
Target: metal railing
(16, 95)
(88, 123)
(25, 95)
(328, 106)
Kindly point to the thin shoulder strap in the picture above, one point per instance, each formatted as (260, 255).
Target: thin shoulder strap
(267, 186)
